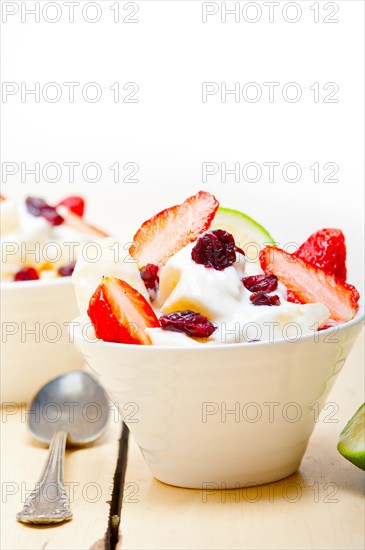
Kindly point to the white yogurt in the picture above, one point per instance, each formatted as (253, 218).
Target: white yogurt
(221, 296)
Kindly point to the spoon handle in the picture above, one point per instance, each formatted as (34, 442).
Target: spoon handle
(48, 502)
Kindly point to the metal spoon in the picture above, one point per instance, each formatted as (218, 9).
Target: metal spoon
(72, 407)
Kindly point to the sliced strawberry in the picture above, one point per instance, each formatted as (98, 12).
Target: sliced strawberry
(326, 249)
(79, 224)
(169, 231)
(74, 203)
(292, 297)
(120, 314)
(310, 283)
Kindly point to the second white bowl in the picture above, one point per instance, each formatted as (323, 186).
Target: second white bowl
(36, 345)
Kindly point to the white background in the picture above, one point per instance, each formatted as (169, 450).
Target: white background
(170, 132)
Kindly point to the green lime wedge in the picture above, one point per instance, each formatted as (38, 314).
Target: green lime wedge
(352, 439)
(248, 233)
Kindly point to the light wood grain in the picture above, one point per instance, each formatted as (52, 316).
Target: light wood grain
(320, 507)
(90, 470)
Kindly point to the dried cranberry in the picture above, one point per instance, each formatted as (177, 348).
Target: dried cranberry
(149, 275)
(262, 299)
(26, 274)
(264, 282)
(38, 207)
(51, 215)
(215, 249)
(67, 270)
(35, 205)
(189, 322)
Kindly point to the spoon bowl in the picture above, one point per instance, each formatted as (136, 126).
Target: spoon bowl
(74, 403)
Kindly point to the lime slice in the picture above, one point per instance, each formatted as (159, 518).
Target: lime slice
(352, 439)
(248, 233)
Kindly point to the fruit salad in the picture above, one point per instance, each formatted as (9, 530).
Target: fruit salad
(39, 240)
(190, 278)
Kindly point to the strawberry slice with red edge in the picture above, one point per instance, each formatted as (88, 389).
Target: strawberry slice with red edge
(170, 230)
(326, 249)
(292, 297)
(74, 203)
(119, 313)
(79, 224)
(311, 284)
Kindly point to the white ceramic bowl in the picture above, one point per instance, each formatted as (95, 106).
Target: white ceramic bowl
(36, 345)
(228, 415)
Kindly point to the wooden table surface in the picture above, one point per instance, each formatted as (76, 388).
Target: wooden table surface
(321, 506)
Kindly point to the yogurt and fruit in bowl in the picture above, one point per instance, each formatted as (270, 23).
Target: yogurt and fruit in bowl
(191, 278)
(222, 342)
(41, 241)
(39, 245)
